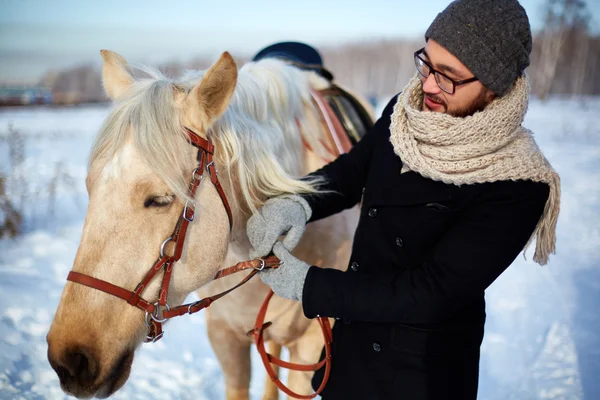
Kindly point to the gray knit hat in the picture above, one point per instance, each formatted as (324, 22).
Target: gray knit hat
(491, 37)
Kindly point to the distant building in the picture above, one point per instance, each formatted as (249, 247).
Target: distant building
(24, 95)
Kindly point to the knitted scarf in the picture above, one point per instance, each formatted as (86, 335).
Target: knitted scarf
(488, 146)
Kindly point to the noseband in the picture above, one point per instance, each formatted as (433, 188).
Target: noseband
(159, 312)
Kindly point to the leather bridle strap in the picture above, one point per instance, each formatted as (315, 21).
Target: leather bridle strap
(208, 150)
(109, 288)
(268, 359)
(132, 297)
(255, 265)
(154, 317)
(160, 311)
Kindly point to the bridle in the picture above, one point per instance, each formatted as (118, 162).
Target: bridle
(159, 312)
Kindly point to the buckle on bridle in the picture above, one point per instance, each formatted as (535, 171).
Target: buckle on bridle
(155, 316)
(262, 264)
(212, 163)
(195, 175)
(162, 246)
(185, 211)
(256, 330)
(154, 339)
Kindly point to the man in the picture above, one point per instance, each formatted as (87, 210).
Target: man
(451, 188)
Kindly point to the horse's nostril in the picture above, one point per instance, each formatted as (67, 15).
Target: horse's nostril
(62, 373)
(78, 367)
(80, 362)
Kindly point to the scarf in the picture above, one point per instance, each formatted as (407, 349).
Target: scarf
(488, 146)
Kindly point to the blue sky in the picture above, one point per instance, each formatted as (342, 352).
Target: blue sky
(36, 35)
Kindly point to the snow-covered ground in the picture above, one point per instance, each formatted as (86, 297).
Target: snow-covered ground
(543, 328)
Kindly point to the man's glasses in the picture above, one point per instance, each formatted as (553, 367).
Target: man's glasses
(445, 83)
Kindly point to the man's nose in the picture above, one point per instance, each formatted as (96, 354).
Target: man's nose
(430, 85)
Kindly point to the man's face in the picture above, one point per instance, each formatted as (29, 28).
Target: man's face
(467, 98)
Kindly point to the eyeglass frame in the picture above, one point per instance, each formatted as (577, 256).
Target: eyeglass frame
(435, 72)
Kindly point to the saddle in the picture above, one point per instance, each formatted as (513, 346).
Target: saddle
(353, 120)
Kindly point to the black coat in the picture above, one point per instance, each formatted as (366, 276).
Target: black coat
(411, 306)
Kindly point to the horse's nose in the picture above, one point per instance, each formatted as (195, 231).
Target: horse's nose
(75, 368)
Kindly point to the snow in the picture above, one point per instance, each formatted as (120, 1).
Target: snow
(543, 323)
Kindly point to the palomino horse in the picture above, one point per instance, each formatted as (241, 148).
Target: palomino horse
(266, 134)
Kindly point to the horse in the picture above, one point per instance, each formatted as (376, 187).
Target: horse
(266, 134)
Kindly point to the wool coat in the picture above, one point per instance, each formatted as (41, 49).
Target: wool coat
(410, 308)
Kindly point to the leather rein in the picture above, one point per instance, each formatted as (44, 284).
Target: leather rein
(159, 312)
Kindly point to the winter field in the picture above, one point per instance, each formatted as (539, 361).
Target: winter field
(543, 328)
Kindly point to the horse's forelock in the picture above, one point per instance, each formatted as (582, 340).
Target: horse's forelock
(148, 117)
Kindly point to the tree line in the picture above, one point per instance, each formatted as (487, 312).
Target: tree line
(564, 60)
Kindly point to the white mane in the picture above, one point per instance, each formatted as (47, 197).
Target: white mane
(258, 140)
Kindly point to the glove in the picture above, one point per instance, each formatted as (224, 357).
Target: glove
(284, 214)
(287, 281)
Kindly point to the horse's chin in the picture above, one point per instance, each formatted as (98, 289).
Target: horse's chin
(117, 377)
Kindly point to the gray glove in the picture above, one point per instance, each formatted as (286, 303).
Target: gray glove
(287, 281)
(278, 216)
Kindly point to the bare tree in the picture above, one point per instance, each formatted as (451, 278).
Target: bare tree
(564, 59)
(580, 61)
(563, 18)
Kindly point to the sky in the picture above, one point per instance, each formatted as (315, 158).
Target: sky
(36, 35)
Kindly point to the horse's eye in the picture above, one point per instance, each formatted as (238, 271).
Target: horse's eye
(159, 201)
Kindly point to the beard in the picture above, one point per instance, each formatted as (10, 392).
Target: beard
(478, 104)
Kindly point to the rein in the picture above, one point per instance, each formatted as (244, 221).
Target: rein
(159, 312)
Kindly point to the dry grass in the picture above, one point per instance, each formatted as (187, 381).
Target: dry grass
(20, 196)
(60, 177)
(10, 219)
(11, 216)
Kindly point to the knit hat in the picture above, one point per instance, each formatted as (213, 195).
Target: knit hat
(491, 37)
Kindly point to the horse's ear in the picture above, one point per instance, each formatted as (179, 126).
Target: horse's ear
(116, 74)
(212, 95)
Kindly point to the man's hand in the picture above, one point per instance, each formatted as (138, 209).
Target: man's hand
(288, 280)
(278, 216)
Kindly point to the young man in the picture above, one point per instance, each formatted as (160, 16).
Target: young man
(452, 189)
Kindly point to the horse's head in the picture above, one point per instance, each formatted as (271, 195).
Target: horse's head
(139, 173)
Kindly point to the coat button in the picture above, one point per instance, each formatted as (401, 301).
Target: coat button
(399, 242)
(372, 212)
(354, 266)
(377, 347)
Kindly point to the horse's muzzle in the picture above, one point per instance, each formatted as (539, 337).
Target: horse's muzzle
(77, 370)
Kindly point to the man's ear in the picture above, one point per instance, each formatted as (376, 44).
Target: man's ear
(489, 95)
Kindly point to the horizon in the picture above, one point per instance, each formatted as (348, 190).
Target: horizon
(35, 39)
